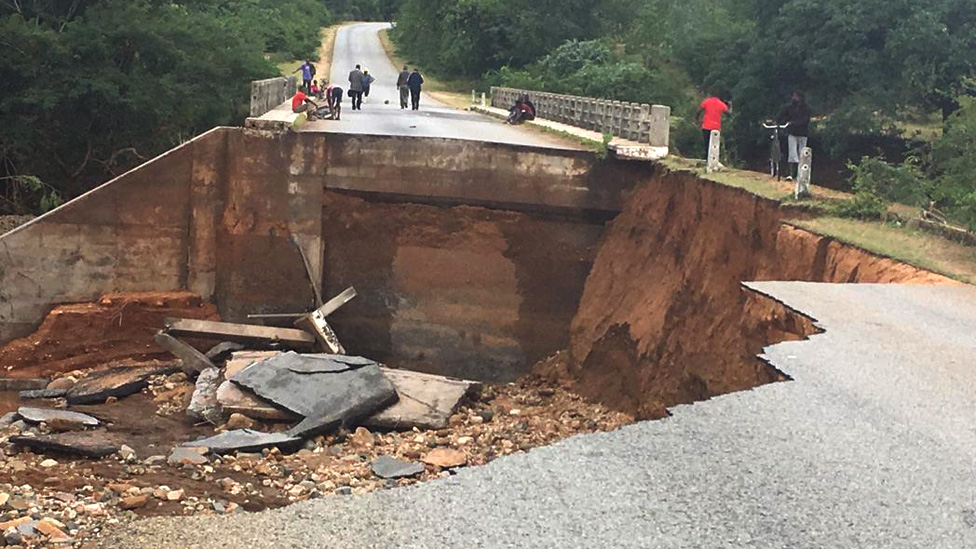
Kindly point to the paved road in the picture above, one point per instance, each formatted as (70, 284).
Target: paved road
(872, 445)
(360, 44)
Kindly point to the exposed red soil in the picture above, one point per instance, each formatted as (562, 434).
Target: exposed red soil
(664, 320)
(85, 335)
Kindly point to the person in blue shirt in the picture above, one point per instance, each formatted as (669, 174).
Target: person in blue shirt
(308, 73)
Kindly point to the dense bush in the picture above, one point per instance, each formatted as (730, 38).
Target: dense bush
(953, 165)
(88, 89)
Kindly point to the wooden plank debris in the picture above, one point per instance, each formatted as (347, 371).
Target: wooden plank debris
(240, 333)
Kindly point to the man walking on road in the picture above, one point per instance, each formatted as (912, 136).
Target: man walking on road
(356, 79)
(402, 86)
(415, 83)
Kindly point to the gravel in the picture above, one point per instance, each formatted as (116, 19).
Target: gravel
(871, 445)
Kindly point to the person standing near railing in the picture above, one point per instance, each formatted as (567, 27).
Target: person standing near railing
(710, 115)
(796, 116)
(403, 88)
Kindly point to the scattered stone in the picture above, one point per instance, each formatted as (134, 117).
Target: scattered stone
(324, 399)
(203, 403)
(445, 458)
(182, 456)
(244, 440)
(13, 536)
(115, 382)
(486, 415)
(222, 351)
(175, 495)
(4, 526)
(239, 421)
(62, 383)
(127, 454)
(426, 401)
(17, 504)
(94, 444)
(154, 460)
(59, 418)
(130, 503)
(391, 468)
(48, 463)
(9, 419)
(4, 498)
(51, 528)
(42, 393)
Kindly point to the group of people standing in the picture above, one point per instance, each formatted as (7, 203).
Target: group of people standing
(795, 117)
(409, 85)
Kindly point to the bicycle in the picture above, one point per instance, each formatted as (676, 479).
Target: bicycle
(776, 150)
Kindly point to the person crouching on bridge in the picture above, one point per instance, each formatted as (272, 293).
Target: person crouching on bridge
(301, 103)
(523, 110)
(333, 94)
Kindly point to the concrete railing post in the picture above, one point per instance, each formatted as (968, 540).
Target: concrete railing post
(660, 126)
(483, 104)
(714, 149)
(802, 188)
(645, 122)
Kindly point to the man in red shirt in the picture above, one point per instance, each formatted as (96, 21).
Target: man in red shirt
(301, 103)
(711, 113)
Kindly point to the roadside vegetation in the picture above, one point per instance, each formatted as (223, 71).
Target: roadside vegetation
(89, 89)
(891, 82)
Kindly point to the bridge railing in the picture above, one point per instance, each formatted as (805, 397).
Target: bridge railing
(637, 122)
(268, 94)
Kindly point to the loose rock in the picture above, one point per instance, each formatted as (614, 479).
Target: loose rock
(57, 417)
(182, 456)
(391, 468)
(445, 458)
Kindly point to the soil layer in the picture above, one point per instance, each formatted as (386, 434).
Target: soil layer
(78, 336)
(663, 319)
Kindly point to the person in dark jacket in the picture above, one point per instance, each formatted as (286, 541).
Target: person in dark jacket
(356, 79)
(403, 88)
(797, 117)
(367, 82)
(415, 83)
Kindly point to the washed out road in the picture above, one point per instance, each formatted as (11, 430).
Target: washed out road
(871, 445)
(359, 44)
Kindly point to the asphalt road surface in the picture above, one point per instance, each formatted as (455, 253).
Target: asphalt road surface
(359, 44)
(872, 444)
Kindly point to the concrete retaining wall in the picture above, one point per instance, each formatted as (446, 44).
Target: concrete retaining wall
(268, 94)
(238, 216)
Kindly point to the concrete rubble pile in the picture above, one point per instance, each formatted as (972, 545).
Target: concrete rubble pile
(298, 381)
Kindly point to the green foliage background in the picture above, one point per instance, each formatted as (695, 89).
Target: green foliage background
(89, 88)
(869, 68)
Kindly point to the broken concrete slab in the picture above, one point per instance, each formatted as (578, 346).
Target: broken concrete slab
(222, 351)
(318, 363)
(391, 468)
(242, 359)
(245, 440)
(61, 418)
(240, 333)
(203, 403)
(193, 360)
(233, 400)
(22, 384)
(323, 399)
(426, 401)
(114, 382)
(93, 444)
(42, 393)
